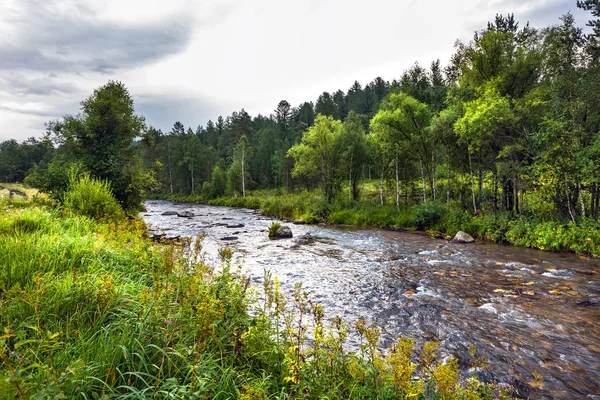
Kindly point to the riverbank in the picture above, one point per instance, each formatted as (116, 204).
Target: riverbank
(519, 230)
(84, 315)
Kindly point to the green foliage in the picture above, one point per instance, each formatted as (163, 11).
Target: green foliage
(218, 182)
(101, 138)
(273, 228)
(427, 215)
(318, 156)
(54, 179)
(92, 198)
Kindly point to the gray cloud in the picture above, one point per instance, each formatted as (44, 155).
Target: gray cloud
(78, 41)
(22, 84)
(28, 112)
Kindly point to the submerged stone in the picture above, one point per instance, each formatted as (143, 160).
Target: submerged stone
(185, 214)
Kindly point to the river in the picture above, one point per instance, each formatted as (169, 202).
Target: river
(535, 316)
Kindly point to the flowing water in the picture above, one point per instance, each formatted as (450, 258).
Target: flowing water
(535, 316)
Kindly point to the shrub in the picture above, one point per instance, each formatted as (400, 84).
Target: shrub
(427, 215)
(92, 198)
(273, 228)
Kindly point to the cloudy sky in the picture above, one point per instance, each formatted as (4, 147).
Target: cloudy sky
(193, 60)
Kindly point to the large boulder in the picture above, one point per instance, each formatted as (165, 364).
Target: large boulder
(463, 237)
(185, 214)
(281, 232)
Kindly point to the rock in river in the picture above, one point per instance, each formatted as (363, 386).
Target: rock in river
(463, 237)
(169, 213)
(235, 226)
(305, 239)
(282, 232)
(185, 214)
(229, 238)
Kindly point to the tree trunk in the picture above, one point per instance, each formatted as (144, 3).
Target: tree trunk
(170, 169)
(433, 193)
(462, 187)
(381, 185)
(350, 181)
(193, 181)
(593, 209)
(472, 183)
(597, 207)
(423, 181)
(516, 195)
(581, 199)
(397, 186)
(448, 184)
(570, 208)
(480, 180)
(495, 192)
(243, 175)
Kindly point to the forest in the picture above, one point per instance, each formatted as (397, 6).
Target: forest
(510, 126)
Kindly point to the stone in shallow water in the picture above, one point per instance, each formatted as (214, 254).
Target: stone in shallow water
(228, 238)
(282, 232)
(463, 237)
(169, 213)
(185, 214)
(235, 226)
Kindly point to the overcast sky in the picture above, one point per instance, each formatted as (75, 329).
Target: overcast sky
(193, 60)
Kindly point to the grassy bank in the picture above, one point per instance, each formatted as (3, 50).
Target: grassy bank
(520, 230)
(91, 309)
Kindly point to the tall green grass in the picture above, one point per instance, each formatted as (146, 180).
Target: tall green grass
(90, 309)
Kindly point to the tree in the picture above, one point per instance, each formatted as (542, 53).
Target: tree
(442, 128)
(325, 105)
(192, 156)
(354, 152)
(283, 116)
(593, 38)
(241, 154)
(102, 138)
(318, 154)
(218, 180)
(402, 124)
(483, 120)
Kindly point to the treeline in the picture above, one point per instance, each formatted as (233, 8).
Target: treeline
(510, 124)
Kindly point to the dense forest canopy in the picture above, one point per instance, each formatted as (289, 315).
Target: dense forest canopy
(512, 123)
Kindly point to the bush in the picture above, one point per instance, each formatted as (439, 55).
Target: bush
(273, 228)
(427, 215)
(92, 198)
(457, 220)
